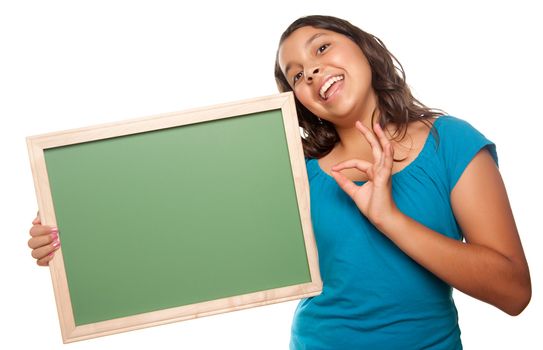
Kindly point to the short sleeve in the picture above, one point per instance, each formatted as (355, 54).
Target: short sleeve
(458, 143)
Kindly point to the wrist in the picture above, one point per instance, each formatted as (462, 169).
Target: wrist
(389, 223)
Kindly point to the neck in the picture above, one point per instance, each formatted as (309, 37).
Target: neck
(351, 141)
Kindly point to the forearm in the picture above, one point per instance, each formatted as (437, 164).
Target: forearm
(476, 270)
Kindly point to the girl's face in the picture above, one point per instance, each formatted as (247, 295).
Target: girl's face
(329, 75)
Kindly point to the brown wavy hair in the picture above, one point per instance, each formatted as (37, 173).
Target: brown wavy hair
(395, 103)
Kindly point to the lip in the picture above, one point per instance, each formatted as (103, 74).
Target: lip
(325, 80)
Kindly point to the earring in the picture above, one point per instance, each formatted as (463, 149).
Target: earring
(320, 120)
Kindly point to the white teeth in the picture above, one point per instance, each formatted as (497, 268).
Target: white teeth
(327, 85)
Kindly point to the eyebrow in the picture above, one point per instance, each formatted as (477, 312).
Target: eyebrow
(307, 44)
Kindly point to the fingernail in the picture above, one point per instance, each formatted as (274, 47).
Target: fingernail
(54, 236)
(54, 229)
(56, 243)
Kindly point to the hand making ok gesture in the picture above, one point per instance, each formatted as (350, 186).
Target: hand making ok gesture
(374, 197)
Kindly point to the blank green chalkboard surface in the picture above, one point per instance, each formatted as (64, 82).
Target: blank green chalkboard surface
(176, 216)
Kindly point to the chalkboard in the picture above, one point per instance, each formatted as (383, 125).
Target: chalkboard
(176, 216)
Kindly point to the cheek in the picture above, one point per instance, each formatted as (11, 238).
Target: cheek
(312, 106)
(304, 97)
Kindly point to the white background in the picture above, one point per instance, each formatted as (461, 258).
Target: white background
(68, 64)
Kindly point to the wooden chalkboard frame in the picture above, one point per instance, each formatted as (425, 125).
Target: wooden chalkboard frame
(37, 145)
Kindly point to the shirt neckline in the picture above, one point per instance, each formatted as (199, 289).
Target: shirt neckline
(404, 169)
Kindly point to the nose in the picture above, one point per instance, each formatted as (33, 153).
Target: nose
(311, 72)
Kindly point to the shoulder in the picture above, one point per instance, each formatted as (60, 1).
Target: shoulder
(449, 124)
(458, 141)
(458, 133)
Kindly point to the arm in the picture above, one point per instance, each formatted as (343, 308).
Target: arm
(489, 266)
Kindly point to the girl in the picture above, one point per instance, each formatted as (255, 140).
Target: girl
(406, 203)
(395, 189)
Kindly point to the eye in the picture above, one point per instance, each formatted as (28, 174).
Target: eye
(322, 48)
(297, 77)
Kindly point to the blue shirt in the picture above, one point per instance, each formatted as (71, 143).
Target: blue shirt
(374, 295)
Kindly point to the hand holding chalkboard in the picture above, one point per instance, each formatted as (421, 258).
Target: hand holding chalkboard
(44, 242)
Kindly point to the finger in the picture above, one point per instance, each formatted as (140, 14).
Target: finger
(37, 220)
(42, 252)
(359, 164)
(383, 173)
(384, 142)
(39, 230)
(379, 132)
(45, 261)
(389, 156)
(346, 185)
(372, 140)
(42, 240)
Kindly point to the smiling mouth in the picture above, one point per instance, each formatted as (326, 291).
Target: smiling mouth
(327, 85)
